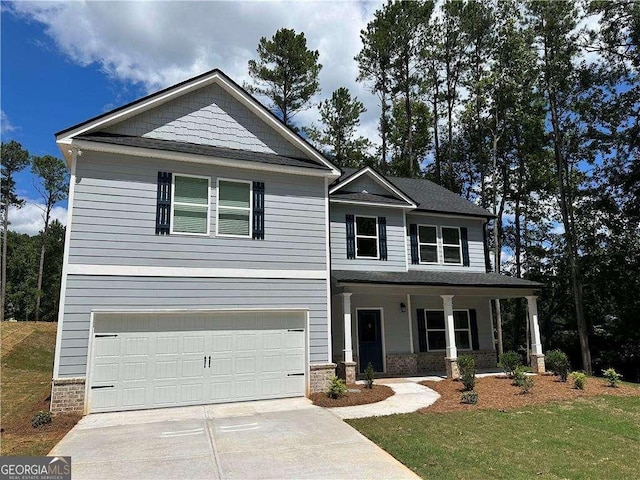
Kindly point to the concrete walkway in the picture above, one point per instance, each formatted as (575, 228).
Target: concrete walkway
(409, 397)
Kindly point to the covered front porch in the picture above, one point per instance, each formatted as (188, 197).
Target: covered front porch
(417, 323)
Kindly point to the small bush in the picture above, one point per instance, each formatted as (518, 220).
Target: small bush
(558, 362)
(40, 419)
(369, 376)
(509, 361)
(527, 384)
(579, 380)
(337, 388)
(467, 370)
(612, 377)
(470, 397)
(519, 376)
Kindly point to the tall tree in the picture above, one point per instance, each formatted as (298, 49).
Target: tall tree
(53, 188)
(14, 159)
(286, 72)
(340, 116)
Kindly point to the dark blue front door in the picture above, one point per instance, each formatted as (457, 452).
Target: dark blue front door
(370, 339)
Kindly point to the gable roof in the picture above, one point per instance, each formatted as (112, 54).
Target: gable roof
(429, 196)
(66, 136)
(396, 197)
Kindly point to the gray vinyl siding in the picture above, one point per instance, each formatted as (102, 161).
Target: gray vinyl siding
(114, 214)
(366, 183)
(482, 306)
(475, 237)
(87, 293)
(207, 116)
(396, 259)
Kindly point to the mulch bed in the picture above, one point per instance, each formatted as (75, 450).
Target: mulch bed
(498, 392)
(362, 397)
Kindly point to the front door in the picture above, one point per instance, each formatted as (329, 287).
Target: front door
(370, 339)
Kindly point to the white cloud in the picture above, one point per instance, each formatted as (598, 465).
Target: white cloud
(5, 125)
(157, 44)
(29, 220)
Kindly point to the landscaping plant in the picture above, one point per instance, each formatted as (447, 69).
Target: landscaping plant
(508, 361)
(40, 419)
(467, 370)
(612, 377)
(470, 397)
(579, 380)
(337, 388)
(558, 362)
(519, 376)
(527, 384)
(369, 375)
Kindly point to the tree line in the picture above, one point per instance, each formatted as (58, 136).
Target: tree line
(527, 108)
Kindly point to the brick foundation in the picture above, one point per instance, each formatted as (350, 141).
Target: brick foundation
(67, 395)
(347, 371)
(320, 375)
(537, 363)
(402, 364)
(432, 362)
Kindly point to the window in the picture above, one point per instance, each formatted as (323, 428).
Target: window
(234, 208)
(451, 245)
(190, 205)
(428, 243)
(436, 329)
(366, 237)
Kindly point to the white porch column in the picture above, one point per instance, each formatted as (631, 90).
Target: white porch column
(537, 358)
(348, 344)
(451, 355)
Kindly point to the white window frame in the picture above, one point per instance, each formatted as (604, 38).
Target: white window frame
(218, 206)
(459, 245)
(468, 329)
(356, 236)
(437, 245)
(173, 203)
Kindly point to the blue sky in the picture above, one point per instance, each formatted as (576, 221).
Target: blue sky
(64, 62)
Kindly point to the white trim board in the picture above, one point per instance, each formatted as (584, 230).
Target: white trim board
(202, 272)
(370, 204)
(379, 179)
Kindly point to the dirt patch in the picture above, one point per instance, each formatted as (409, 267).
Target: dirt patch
(500, 394)
(362, 397)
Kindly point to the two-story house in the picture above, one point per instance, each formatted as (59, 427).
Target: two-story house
(213, 255)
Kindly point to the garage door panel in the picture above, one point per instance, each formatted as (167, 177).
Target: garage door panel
(212, 358)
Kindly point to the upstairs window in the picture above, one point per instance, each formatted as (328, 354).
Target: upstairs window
(428, 243)
(234, 208)
(190, 205)
(366, 237)
(452, 245)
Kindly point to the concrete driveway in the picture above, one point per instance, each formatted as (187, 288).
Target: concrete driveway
(275, 439)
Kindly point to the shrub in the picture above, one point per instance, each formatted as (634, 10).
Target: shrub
(369, 376)
(509, 361)
(556, 360)
(467, 369)
(612, 377)
(579, 380)
(470, 397)
(519, 376)
(41, 418)
(527, 384)
(337, 388)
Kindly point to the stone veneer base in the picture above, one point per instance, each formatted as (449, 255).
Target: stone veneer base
(537, 363)
(67, 395)
(429, 362)
(347, 372)
(320, 375)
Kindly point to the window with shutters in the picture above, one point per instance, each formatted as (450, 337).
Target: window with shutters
(366, 233)
(436, 332)
(190, 204)
(234, 208)
(451, 245)
(428, 243)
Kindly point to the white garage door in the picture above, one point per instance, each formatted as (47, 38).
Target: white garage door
(163, 360)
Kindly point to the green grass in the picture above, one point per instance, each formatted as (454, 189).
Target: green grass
(27, 350)
(591, 438)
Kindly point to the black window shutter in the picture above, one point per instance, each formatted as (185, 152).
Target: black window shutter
(382, 237)
(163, 204)
(473, 323)
(422, 330)
(258, 210)
(413, 234)
(465, 246)
(351, 237)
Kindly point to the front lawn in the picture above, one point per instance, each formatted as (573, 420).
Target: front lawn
(586, 438)
(27, 362)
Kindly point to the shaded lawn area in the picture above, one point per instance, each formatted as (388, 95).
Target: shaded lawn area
(27, 351)
(588, 438)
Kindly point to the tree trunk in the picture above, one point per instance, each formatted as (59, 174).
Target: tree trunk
(436, 137)
(499, 325)
(45, 232)
(383, 129)
(3, 286)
